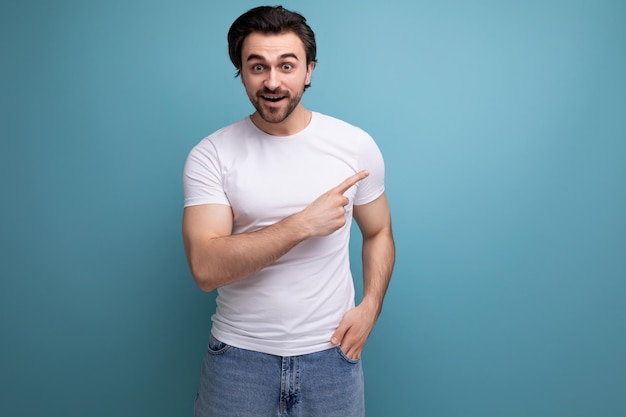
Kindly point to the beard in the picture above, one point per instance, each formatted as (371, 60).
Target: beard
(275, 114)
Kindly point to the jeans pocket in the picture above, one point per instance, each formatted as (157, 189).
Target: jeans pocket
(345, 357)
(216, 347)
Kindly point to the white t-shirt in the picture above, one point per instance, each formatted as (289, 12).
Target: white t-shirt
(293, 306)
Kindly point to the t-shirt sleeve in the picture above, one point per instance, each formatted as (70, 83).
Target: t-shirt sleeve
(202, 177)
(371, 159)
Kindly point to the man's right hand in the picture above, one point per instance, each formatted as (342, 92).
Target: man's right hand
(327, 213)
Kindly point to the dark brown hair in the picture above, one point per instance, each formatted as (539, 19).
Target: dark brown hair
(269, 19)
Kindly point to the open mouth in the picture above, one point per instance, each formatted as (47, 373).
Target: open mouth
(272, 99)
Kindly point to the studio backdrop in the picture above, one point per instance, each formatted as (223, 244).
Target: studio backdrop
(503, 127)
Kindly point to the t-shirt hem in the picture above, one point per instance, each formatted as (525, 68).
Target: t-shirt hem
(369, 200)
(201, 202)
(271, 350)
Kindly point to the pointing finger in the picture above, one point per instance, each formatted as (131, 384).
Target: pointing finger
(350, 181)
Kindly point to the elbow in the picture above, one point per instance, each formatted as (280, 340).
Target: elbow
(200, 268)
(201, 274)
(204, 284)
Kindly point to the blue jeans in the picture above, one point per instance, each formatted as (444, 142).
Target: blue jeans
(243, 383)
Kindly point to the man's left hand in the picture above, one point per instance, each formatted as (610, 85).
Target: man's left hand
(354, 330)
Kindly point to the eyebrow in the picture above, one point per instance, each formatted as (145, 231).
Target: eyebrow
(283, 56)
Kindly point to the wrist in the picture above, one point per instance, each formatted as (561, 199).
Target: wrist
(371, 306)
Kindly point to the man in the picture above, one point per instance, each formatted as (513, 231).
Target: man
(269, 202)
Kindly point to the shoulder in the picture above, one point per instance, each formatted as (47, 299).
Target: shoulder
(326, 121)
(339, 131)
(222, 140)
(227, 133)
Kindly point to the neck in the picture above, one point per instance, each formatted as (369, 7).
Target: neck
(294, 123)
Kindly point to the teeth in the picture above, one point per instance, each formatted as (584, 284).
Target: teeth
(272, 98)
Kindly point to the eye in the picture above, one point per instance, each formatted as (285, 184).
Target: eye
(257, 68)
(287, 67)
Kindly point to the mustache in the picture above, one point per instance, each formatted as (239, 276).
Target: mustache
(277, 91)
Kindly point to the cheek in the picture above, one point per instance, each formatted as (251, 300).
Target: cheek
(248, 85)
(246, 78)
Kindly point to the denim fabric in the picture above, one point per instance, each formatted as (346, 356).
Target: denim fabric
(242, 383)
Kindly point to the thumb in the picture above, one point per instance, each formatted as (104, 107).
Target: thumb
(337, 337)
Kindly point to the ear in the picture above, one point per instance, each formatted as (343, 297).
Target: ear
(309, 72)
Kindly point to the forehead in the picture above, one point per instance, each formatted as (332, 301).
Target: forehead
(269, 45)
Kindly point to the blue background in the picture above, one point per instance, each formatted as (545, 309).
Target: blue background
(503, 125)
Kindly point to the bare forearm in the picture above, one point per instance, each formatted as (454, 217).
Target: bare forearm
(378, 260)
(357, 323)
(227, 259)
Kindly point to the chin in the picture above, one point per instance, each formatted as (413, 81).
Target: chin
(276, 116)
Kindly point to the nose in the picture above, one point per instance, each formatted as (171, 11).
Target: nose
(272, 81)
